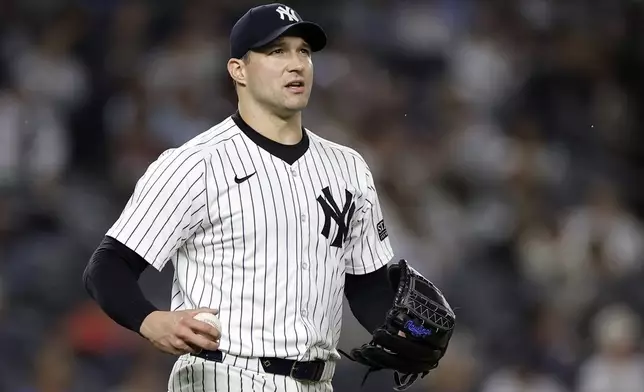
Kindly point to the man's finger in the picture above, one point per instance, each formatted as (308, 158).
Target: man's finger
(200, 341)
(202, 328)
(181, 346)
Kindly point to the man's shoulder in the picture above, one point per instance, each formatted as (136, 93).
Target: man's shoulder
(347, 152)
(201, 145)
(213, 136)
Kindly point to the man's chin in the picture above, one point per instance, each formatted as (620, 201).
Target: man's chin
(295, 106)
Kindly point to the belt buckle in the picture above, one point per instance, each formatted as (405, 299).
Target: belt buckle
(319, 370)
(293, 370)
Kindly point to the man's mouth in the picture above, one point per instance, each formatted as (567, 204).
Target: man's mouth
(296, 87)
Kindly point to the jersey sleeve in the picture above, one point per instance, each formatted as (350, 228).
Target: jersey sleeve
(368, 247)
(166, 207)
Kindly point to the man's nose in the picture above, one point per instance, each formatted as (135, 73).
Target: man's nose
(296, 63)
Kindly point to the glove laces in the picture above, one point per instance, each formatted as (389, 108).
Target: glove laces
(402, 381)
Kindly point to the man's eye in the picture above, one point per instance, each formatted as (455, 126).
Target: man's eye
(277, 51)
(306, 52)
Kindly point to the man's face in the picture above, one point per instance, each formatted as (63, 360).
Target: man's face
(280, 75)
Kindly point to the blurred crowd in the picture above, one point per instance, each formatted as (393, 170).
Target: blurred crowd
(505, 136)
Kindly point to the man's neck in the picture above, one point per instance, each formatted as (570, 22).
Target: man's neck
(281, 130)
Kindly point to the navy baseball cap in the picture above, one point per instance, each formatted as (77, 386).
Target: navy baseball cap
(265, 23)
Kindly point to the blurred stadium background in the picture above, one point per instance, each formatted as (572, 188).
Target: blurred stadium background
(506, 138)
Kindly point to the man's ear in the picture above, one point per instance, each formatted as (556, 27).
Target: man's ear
(237, 71)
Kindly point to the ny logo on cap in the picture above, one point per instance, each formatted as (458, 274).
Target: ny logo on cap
(288, 12)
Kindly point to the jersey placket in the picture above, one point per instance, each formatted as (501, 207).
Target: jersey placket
(298, 174)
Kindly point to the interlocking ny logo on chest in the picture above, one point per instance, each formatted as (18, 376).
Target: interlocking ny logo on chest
(342, 217)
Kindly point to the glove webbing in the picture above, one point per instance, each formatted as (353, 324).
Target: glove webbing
(402, 381)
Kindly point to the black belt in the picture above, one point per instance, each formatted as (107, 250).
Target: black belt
(310, 371)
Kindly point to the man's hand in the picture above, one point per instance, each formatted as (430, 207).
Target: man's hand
(179, 333)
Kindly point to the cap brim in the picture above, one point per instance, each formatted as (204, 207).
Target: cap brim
(308, 31)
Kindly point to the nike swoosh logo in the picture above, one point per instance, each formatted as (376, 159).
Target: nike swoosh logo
(240, 180)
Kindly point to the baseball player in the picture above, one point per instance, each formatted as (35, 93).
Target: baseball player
(267, 225)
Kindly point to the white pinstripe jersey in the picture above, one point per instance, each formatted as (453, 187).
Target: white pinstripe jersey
(265, 242)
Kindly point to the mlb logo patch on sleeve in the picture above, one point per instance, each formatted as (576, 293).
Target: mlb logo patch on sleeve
(382, 230)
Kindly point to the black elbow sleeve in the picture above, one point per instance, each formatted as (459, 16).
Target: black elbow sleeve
(111, 279)
(370, 297)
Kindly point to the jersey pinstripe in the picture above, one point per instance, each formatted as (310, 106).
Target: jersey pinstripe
(265, 242)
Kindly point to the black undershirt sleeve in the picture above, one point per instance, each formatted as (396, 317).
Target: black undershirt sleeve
(111, 279)
(370, 297)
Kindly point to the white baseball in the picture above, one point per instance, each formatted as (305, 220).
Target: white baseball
(209, 318)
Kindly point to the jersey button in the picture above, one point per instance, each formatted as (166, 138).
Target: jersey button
(305, 265)
(303, 217)
(304, 313)
(294, 172)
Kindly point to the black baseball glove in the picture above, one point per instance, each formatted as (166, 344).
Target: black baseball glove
(415, 333)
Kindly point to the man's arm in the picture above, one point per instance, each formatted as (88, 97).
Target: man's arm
(370, 297)
(366, 255)
(111, 279)
(165, 209)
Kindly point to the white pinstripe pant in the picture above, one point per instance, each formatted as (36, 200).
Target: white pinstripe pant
(233, 374)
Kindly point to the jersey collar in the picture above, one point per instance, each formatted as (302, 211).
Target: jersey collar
(285, 152)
